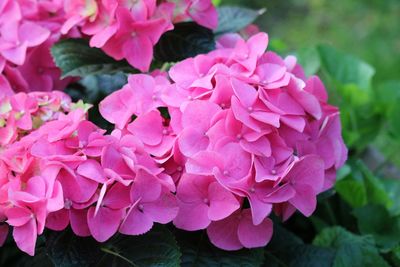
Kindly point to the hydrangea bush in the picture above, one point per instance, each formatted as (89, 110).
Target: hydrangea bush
(180, 115)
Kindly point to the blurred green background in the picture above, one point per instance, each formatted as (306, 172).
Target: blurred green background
(369, 29)
(363, 39)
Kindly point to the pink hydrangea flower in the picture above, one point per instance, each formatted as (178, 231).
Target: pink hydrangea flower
(243, 126)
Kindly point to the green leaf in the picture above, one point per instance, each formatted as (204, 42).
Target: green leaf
(395, 256)
(375, 189)
(100, 85)
(287, 249)
(187, 39)
(351, 249)
(345, 68)
(68, 250)
(352, 191)
(392, 188)
(156, 248)
(377, 221)
(198, 251)
(308, 57)
(216, 2)
(305, 256)
(234, 19)
(75, 58)
(343, 172)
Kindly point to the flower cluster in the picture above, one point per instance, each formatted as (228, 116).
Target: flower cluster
(27, 31)
(22, 113)
(129, 29)
(242, 132)
(123, 29)
(68, 172)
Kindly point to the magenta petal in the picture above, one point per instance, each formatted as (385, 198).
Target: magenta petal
(191, 141)
(79, 223)
(305, 199)
(25, 236)
(118, 196)
(222, 202)
(148, 128)
(187, 212)
(204, 162)
(259, 209)
(105, 224)
(246, 93)
(136, 223)
(18, 216)
(164, 210)
(91, 169)
(118, 107)
(253, 236)
(224, 233)
(58, 220)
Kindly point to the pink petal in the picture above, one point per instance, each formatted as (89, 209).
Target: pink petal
(305, 199)
(91, 169)
(222, 202)
(136, 223)
(79, 223)
(148, 128)
(58, 220)
(186, 214)
(192, 140)
(224, 234)
(164, 210)
(246, 94)
(138, 51)
(105, 224)
(25, 236)
(118, 107)
(253, 236)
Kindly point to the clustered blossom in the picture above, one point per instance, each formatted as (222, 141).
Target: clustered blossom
(22, 113)
(129, 29)
(68, 172)
(28, 28)
(246, 134)
(123, 29)
(219, 142)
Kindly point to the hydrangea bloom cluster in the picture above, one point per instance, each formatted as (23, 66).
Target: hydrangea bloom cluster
(27, 31)
(129, 29)
(68, 172)
(22, 113)
(123, 29)
(246, 134)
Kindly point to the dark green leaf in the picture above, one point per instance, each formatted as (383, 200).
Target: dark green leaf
(345, 68)
(198, 251)
(187, 39)
(305, 256)
(395, 256)
(233, 19)
(75, 58)
(156, 248)
(351, 249)
(377, 221)
(287, 249)
(68, 250)
(100, 85)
